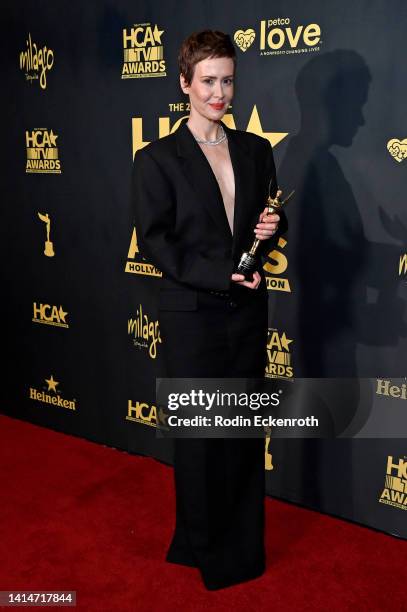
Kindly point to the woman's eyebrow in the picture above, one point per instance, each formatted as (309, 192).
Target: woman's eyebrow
(211, 76)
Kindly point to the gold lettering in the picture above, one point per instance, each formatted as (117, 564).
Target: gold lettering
(312, 34)
(401, 467)
(395, 391)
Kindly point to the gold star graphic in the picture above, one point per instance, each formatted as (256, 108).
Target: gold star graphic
(255, 127)
(62, 314)
(53, 138)
(52, 384)
(285, 342)
(157, 34)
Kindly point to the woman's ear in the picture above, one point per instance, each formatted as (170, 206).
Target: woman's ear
(183, 84)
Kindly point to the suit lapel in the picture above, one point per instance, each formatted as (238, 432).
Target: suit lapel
(201, 177)
(245, 189)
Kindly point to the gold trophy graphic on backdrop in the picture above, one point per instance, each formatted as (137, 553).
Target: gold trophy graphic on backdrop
(268, 457)
(49, 247)
(247, 263)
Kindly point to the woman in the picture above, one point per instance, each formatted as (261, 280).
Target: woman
(199, 196)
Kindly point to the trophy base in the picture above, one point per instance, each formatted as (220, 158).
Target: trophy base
(49, 249)
(246, 266)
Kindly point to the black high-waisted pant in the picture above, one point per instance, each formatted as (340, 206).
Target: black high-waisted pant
(219, 483)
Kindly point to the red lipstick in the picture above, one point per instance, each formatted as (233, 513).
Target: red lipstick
(218, 106)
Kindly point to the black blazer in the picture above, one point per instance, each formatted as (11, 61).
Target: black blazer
(181, 222)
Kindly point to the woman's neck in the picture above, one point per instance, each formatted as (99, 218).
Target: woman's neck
(204, 129)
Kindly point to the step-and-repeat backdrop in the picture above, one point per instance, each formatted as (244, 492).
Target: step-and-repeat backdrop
(85, 85)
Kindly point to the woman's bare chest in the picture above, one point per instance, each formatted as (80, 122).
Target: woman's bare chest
(220, 162)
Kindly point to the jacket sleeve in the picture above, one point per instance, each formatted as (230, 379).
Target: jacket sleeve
(266, 246)
(154, 211)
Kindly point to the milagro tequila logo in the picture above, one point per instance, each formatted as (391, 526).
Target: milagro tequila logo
(42, 151)
(278, 355)
(136, 264)
(394, 492)
(144, 413)
(145, 333)
(143, 52)
(35, 61)
(51, 395)
(49, 315)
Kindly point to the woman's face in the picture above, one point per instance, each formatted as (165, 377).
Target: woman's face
(211, 89)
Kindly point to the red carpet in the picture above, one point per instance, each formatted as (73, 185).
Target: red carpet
(80, 516)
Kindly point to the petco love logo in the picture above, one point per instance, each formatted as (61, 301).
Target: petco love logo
(397, 149)
(244, 39)
(281, 37)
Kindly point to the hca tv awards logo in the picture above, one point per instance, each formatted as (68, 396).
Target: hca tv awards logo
(49, 315)
(143, 52)
(165, 128)
(35, 61)
(278, 355)
(146, 414)
(395, 483)
(51, 395)
(145, 333)
(42, 152)
(280, 36)
(136, 264)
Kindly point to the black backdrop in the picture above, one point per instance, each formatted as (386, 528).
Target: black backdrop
(325, 82)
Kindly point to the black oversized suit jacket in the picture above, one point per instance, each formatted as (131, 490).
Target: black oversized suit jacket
(181, 222)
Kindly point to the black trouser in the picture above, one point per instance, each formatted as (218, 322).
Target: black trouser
(219, 482)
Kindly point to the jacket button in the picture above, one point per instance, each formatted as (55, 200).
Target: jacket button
(232, 304)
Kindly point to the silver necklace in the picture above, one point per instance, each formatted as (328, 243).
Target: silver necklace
(217, 141)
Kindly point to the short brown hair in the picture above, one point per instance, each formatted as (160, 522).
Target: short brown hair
(201, 45)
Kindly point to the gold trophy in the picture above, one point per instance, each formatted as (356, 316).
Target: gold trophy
(248, 262)
(49, 247)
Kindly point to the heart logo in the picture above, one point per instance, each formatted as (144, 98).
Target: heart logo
(244, 39)
(397, 149)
